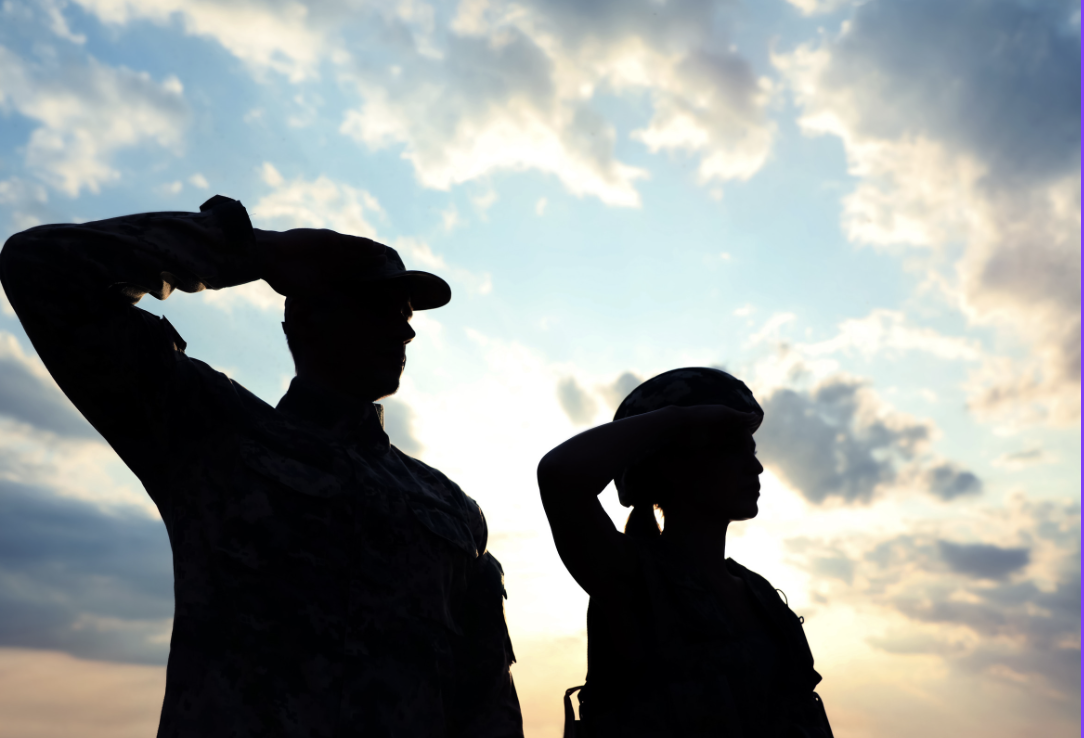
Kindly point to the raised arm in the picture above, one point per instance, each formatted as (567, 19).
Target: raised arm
(75, 287)
(571, 476)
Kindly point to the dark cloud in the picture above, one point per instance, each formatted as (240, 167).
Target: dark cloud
(399, 425)
(94, 583)
(997, 79)
(673, 25)
(983, 561)
(989, 88)
(948, 481)
(830, 442)
(579, 406)
(28, 397)
(973, 604)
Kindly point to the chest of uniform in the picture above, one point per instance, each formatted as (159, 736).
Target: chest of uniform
(311, 531)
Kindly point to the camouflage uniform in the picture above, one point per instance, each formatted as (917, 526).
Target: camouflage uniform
(684, 670)
(326, 584)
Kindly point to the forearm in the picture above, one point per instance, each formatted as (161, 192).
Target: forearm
(70, 274)
(586, 463)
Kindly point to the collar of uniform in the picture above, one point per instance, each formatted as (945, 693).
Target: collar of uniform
(362, 422)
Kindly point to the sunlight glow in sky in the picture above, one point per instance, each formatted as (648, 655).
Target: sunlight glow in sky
(869, 211)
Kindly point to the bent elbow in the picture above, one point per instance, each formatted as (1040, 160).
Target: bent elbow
(549, 474)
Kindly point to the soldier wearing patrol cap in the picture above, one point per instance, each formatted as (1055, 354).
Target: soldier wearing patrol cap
(326, 584)
(682, 641)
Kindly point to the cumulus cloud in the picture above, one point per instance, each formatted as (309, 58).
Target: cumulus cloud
(578, 404)
(86, 114)
(316, 203)
(284, 36)
(1006, 607)
(840, 439)
(961, 123)
(513, 83)
(503, 85)
(75, 578)
(29, 395)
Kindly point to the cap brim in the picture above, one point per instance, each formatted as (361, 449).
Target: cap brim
(427, 291)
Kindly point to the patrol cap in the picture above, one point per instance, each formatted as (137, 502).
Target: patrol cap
(686, 387)
(427, 291)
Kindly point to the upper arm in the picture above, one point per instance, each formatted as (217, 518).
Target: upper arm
(115, 362)
(596, 554)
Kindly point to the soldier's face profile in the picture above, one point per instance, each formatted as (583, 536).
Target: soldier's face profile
(721, 482)
(364, 337)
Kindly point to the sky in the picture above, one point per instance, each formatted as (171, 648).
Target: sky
(868, 211)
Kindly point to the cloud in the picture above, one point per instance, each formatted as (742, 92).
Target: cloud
(1006, 607)
(948, 481)
(816, 7)
(28, 394)
(417, 254)
(620, 388)
(840, 439)
(579, 406)
(316, 203)
(512, 86)
(58, 24)
(26, 202)
(78, 579)
(1022, 459)
(86, 114)
(890, 333)
(399, 425)
(283, 36)
(983, 561)
(961, 124)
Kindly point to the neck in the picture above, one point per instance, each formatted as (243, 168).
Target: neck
(699, 536)
(331, 382)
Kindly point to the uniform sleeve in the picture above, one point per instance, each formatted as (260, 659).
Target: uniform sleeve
(75, 287)
(486, 703)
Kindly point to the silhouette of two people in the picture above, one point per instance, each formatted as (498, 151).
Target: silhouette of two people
(329, 585)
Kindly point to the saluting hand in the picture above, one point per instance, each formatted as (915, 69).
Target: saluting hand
(304, 261)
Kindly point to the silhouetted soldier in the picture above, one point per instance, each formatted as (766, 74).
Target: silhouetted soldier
(682, 642)
(326, 584)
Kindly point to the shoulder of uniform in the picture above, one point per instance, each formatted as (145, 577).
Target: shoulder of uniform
(469, 506)
(750, 576)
